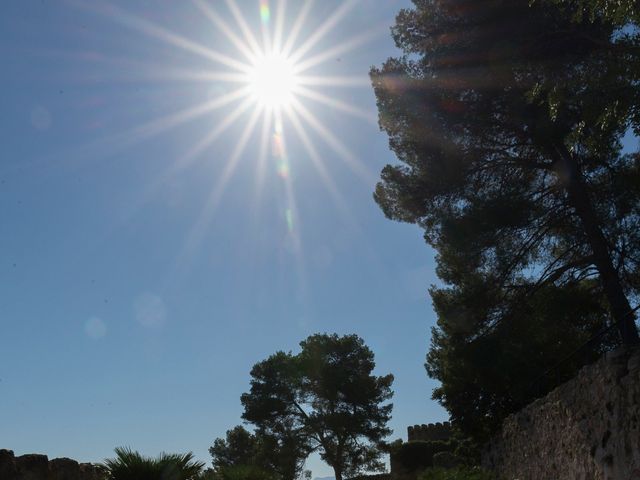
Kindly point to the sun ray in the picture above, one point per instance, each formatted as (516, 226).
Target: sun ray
(297, 26)
(369, 117)
(246, 31)
(201, 76)
(114, 143)
(279, 57)
(291, 216)
(162, 124)
(215, 133)
(322, 30)
(185, 160)
(279, 25)
(238, 42)
(333, 52)
(162, 74)
(338, 147)
(198, 230)
(132, 70)
(334, 81)
(318, 164)
(262, 155)
(265, 18)
(151, 29)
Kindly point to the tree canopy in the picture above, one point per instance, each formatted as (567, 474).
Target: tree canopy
(327, 397)
(508, 118)
(245, 454)
(619, 12)
(239, 447)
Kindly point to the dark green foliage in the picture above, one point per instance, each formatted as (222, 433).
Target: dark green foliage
(507, 116)
(238, 448)
(130, 465)
(458, 473)
(208, 474)
(619, 12)
(486, 377)
(280, 457)
(446, 460)
(326, 399)
(418, 455)
(467, 451)
(244, 472)
(374, 476)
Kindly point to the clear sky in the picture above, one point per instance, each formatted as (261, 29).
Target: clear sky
(160, 234)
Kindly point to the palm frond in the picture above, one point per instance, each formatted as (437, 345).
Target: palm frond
(131, 465)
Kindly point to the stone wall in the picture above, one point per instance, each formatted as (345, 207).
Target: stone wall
(587, 428)
(39, 467)
(429, 432)
(408, 459)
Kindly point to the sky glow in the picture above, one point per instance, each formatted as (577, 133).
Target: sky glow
(186, 189)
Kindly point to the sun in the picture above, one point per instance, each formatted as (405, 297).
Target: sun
(272, 80)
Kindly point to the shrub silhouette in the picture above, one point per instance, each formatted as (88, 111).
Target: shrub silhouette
(130, 465)
(418, 454)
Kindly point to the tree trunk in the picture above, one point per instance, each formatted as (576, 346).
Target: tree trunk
(579, 200)
(337, 473)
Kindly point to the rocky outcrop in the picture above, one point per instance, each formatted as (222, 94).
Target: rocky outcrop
(39, 467)
(588, 428)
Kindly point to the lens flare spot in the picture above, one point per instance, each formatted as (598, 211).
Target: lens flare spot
(265, 13)
(277, 146)
(150, 310)
(40, 118)
(283, 169)
(95, 328)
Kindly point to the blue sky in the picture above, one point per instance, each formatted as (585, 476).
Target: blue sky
(144, 271)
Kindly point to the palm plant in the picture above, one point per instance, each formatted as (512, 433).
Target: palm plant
(130, 465)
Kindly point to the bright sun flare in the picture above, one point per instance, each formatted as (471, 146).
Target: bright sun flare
(272, 74)
(272, 80)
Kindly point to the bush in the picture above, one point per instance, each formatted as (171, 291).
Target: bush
(208, 474)
(130, 465)
(244, 472)
(418, 454)
(468, 451)
(459, 473)
(446, 460)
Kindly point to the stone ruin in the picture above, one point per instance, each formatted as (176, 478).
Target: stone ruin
(429, 432)
(39, 467)
(587, 428)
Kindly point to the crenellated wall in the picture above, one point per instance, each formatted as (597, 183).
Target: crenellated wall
(39, 467)
(587, 428)
(429, 432)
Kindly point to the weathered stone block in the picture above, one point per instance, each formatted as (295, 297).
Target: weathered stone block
(38, 467)
(64, 469)
(8, 469)
(89, 471)
(32, 467)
